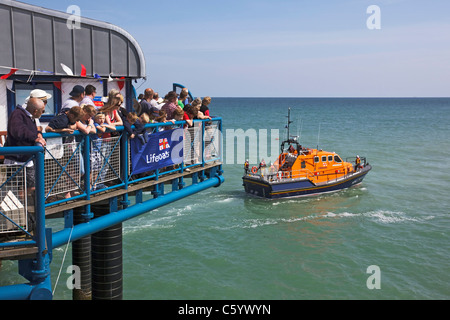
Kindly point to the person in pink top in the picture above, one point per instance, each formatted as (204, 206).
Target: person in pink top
(171, 105)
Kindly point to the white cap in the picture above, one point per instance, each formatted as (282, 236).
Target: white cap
(38, 93)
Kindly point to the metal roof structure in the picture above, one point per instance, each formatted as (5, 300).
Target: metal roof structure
(43, 40)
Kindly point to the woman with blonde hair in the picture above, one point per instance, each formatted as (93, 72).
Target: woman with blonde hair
(111, 107)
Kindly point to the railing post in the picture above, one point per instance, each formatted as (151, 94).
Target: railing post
(41, 267)
(125, 165)
(203, 142)
(87, 215)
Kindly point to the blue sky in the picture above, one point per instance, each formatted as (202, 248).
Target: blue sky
(285, 48)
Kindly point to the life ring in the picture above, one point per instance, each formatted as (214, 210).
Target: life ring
(254, 169)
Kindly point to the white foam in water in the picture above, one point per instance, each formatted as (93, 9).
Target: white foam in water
(227, 200)
(151, 225)
(260, 223)
(347, 214)
(180, 211)
(383, 216)
(390, 216)
(296, 200)
(146, 222)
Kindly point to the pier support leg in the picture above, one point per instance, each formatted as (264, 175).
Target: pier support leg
(107, 266)
(81, 257)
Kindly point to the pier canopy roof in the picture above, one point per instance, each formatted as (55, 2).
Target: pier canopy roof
(36, 39)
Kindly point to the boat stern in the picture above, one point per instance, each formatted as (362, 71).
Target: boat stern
(257, 186)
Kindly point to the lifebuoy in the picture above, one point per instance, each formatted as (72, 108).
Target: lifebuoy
(254, 169)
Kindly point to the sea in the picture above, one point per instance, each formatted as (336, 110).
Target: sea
(384, 239)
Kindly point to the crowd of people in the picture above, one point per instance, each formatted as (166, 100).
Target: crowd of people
(79, 112)
(173, 107)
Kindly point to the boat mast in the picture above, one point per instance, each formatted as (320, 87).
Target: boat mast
(288, 124)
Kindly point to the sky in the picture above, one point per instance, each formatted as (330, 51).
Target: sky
(285, 48)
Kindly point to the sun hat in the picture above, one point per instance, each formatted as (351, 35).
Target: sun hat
(40, 94)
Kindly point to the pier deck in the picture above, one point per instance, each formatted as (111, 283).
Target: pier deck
(57, 211)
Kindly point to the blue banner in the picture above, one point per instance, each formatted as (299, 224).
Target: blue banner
(162, 149)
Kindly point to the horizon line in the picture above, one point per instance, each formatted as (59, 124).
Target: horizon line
(275, 97)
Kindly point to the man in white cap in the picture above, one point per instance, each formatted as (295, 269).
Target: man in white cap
(23, 132)
(42, 95)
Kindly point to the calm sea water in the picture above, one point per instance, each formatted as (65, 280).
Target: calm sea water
(224, 244)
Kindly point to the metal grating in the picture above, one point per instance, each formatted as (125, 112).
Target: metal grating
(212, 143)
(105, 161)
(62, 169)
(192, 145)
(13, 198)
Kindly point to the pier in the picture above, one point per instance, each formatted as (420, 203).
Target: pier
(86, 184)
(91, 200)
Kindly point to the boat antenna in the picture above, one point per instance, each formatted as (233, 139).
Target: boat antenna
(288, 123)
(299, 128)
(318, 136)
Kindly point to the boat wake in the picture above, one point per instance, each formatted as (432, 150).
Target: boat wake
(378, 216)
(149, 224)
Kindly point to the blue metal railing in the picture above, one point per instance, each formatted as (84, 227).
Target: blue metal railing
(37, 270)
(124, 176)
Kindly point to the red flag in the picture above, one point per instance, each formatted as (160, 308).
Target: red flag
(121, 83)
(83, 71)
(57, 84)
(6, 76)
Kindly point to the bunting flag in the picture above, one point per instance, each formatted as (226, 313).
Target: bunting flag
(6, 76)
(83, 71)
(66, 69)
(121, 83)
(68, 72)
(45, 71)
(57, 84)
(96, 76)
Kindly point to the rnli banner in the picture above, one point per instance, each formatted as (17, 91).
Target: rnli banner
(161, 150)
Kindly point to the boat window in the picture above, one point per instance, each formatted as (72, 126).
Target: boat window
(330, 158)
(303, 164)
(337, 159)
(316, 159)
(324, 158)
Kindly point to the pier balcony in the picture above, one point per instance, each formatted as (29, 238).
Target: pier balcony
(76, 172)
